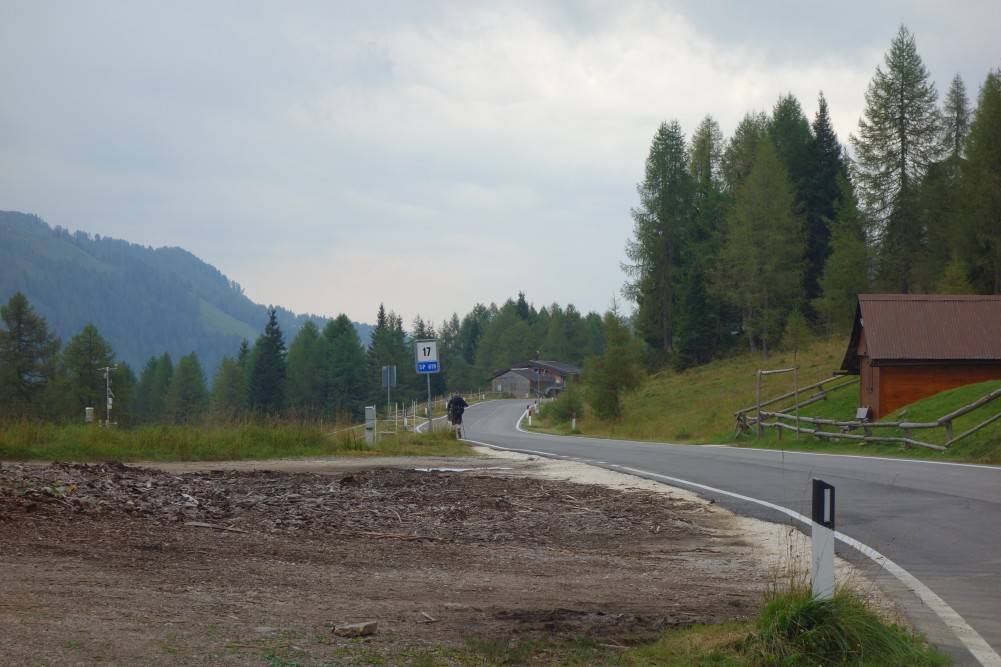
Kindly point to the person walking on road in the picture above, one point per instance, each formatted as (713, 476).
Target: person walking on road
(456, 406)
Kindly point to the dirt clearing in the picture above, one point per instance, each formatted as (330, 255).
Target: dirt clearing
(262, 563)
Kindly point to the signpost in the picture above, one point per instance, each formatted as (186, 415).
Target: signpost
(426, 356)
(389, 381)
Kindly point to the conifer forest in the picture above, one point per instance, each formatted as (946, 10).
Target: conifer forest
(738, 243)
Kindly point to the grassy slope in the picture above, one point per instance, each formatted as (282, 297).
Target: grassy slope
(697, 406)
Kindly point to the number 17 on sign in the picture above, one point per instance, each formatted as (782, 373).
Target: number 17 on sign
(426, 352)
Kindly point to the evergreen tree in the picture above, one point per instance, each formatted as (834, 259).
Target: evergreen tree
(506, 340)
(267, 368)
(610, 377)
(764, 251)
(846, 271)
(696, 322)
(797, 334)
(827, 174)
(956, 117)
(306, 382)
(578, 337)
(981, 189)
(553, 335)
(899, 137)
(711, 200)
(789, 131)
(940, 199)
(243, 355)
(660, 223)
(459, 341)
(150, 403)
(389, 348)
(346, 368)
(525, 311)
(28, 353)
(742, 149)
(229, 390)
(187, 399)
(453, 366)
(83, 378)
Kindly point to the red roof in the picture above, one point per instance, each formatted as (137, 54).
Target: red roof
(926, 327)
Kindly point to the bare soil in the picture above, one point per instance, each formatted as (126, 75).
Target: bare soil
(261, 563)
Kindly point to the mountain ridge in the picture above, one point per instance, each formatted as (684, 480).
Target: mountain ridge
(143, 300)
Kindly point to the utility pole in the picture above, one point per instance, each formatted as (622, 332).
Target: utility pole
(110, 396)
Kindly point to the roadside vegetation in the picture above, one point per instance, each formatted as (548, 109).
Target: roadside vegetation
(697, 406)
(794, 630)
(26, 440)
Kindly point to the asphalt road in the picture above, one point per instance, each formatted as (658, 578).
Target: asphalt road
(930, 531)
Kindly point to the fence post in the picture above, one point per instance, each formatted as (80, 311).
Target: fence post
(761, 430)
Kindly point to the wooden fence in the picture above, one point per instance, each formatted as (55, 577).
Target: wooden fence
(842, 430)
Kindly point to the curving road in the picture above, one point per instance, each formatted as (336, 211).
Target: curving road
(930, 531)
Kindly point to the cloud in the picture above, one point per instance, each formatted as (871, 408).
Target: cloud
(332, 156)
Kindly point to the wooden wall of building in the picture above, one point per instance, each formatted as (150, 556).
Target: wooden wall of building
(898, 386)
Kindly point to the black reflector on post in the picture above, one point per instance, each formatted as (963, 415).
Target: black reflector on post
(823, 504)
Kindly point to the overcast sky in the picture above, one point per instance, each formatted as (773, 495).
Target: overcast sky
(332, 156)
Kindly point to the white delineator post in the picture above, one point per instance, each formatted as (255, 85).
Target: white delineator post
(822, 541)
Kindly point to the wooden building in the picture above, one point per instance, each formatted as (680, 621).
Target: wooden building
(905, 347)
(533, 378)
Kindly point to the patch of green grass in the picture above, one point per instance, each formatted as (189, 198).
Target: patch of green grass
(696, 646)
(984, 446)
(36, 441)
(698, 406)
(797, 629)
(793, 630)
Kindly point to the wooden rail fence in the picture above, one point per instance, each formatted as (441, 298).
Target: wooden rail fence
(843, 429)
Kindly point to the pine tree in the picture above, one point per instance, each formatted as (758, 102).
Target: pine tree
(346, 369)
(696, 322)
(610, 377)
(187, 399)
(506, 340)
(659, 226)
(151, 392)
(267, 368)
(711, 200)
(389, 348)
(28, 354)
(823, 191)
(846, 271)
(228, 400)
(899, 138)
(742, 149)
(83, 366)
(956, 117)
(940, 199)
(764, 252)
(981, 188)
(306, 380)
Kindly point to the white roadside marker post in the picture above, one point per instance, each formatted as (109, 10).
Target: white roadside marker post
(822, 541)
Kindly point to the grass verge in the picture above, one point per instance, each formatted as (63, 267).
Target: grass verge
(35, 441)
(698, 406)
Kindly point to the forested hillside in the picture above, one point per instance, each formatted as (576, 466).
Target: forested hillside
(193, 346)
(143, 301)
(780, 226)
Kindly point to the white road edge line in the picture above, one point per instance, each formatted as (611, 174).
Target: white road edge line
(969, 637)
